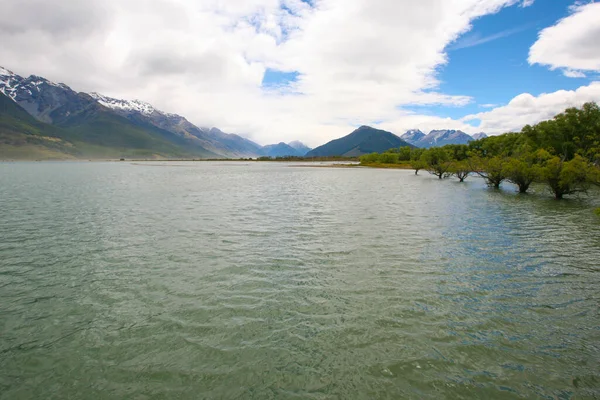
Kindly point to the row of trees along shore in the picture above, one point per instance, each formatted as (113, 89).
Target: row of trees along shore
(563, 153)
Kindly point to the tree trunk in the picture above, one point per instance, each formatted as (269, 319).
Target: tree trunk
(523, 188)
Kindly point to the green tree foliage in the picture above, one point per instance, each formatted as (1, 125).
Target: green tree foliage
(522, 171)
(369, 158)
(405, 153)
(491, 169)
(460, 169)
(458, 152)
(437, 162)
(563, 153)
(388, 158)
(566, 177)
(575, 131)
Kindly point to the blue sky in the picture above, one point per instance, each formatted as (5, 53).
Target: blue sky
(495, 71)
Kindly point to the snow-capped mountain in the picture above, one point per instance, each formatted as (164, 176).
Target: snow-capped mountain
(57, 103)
(443, 137)
(45, 100)
(413, 136)
(437, 138)
(124, 105)
(212, 139)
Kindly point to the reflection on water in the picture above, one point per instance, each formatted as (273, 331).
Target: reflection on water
(199, 280)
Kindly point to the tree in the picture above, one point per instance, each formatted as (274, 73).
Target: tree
(521, 171)
(457, 152)
(490, 169)
(437, 162)
(369, 158)
(404, 153)
(566, 177)
(415, 159)
(417, 165)
(388, 158)
(460, 169)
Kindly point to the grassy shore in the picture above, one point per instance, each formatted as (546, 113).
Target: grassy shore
(387, 166)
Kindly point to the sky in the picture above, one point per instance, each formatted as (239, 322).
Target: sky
(314, 70)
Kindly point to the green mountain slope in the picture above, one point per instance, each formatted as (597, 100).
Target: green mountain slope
(24, 137)
(364, 140)
(93, 132)
(100, 133)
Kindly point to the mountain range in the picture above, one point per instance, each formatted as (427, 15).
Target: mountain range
(437, 138)
(43, 119)
(94, 125)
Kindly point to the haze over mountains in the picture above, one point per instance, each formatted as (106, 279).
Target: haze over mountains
(41, 118)
(94, 125)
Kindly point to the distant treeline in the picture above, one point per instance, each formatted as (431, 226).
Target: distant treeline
(563, 153)
(296, 158)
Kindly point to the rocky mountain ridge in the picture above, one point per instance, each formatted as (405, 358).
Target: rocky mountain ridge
(438, 138)
(57, 104)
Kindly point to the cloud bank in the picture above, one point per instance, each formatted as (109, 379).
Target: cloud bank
(355, 61)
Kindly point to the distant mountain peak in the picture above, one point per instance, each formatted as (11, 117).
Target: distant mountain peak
(6, 72)
(361, 141)
(132, 122)
(124, 105)
(413, 136)
(442, 137)
(300, 147)
(480, 135)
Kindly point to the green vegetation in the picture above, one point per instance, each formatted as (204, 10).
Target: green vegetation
(562, 153)
(92, 133)
(305, 158)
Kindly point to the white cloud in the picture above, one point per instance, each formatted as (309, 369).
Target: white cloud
(571, 73)
(572, 43)
(358, 60)
(527, 3)
(527, 109)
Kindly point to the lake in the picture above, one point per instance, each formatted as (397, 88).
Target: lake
(245, 280)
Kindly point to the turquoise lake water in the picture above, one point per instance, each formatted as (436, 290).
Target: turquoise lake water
(216, 280)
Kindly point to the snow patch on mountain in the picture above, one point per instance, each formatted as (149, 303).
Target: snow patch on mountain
(412, 136)
(8, 83)
(5, 72)
(125, 105)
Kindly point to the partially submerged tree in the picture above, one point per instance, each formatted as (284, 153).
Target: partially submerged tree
(415, 159)
(490, 169)
(521, 173)
(566, 177)
(417, 165)
(524, 169)
(460, 169)
(437, 162)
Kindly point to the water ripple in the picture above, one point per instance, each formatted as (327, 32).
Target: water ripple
(197, 280)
